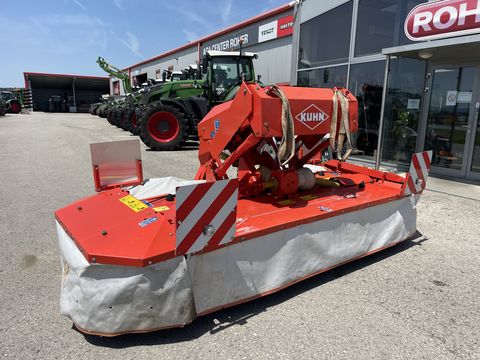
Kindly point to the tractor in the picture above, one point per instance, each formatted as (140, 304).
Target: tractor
(12, 102)
(57, 103)
(170, 113)
(124, 113)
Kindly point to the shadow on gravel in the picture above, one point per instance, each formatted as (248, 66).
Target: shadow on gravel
(189, 145)
(239, 315)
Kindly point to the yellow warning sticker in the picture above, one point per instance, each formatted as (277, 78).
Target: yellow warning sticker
(308, 197)
(161, 208)
(286, 202)
(133, 203)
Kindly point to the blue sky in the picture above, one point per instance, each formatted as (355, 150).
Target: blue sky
(67, 36)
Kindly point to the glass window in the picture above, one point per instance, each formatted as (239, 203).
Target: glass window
(380, 24)
(366, 83)
(227, 72)
(402, 109)
(325, 40)
(323, 78)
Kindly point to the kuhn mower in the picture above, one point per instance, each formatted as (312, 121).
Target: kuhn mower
(161, 252)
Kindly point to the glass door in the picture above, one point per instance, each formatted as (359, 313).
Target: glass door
(451, 116)
(474, 164)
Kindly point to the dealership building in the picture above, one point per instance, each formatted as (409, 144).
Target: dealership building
(269, 35)
(413, 65)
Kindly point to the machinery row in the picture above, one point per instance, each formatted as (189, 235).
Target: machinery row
(165, 113)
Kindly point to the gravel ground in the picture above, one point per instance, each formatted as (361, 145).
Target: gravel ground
(417, 300)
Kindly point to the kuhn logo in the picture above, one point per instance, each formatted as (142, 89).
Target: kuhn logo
(442, 19)
(312, 117)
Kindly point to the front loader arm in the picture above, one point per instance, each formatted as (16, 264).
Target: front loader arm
(113, 71)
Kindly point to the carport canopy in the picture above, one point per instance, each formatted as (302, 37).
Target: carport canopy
(62, 81)
(66, 82)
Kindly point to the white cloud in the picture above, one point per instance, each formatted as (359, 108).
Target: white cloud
(69, 20)
(132, 43)
(226, 11)
(189, 14)
(54, 33)
(119, 4)
(80, 5)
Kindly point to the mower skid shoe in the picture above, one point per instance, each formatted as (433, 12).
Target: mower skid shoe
(111, 300)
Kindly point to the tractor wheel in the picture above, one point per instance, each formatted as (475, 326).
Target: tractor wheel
(163, 127)
(131, 121)
(117, 118)
(15, 107)
(111, 117)
(121, 120)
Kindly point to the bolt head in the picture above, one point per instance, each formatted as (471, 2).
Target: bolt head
(208, 230)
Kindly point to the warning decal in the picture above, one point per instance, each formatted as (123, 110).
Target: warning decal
(133, 203)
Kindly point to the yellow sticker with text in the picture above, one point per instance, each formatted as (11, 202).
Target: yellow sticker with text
(133, 203)
(161, 208)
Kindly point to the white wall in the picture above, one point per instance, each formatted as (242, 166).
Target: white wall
(274, 60)
(185, 58)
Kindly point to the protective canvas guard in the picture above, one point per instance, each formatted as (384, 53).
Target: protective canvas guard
(110, 300)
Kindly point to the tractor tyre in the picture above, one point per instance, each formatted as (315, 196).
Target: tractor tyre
(119, 119)
(14, 107)
(131, 121)
(116, 118)
(163, 127)
(111, 116)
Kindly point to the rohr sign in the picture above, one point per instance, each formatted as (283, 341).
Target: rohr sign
(440, 19)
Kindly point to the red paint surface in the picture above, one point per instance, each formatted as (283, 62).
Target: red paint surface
(126, 243)
(285, 26)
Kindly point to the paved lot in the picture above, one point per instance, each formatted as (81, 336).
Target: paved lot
(418, 300)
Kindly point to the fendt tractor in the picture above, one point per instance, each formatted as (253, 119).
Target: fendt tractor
(12, 101)
(94, 106)
(127, 112)
(109, 109)
(171, 113)
(121, 110)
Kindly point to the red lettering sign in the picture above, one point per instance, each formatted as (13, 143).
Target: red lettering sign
(285, 26)
(442, 19)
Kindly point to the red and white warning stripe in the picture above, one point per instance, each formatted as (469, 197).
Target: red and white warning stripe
(206, 215)
(416, 178)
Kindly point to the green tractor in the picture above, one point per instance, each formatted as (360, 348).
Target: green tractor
(12, 101)
(106, 105)
(170, 113)
(124, 113)
(94, 106)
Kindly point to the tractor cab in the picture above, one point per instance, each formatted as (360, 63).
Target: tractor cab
(224, 72)
(6, 95)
